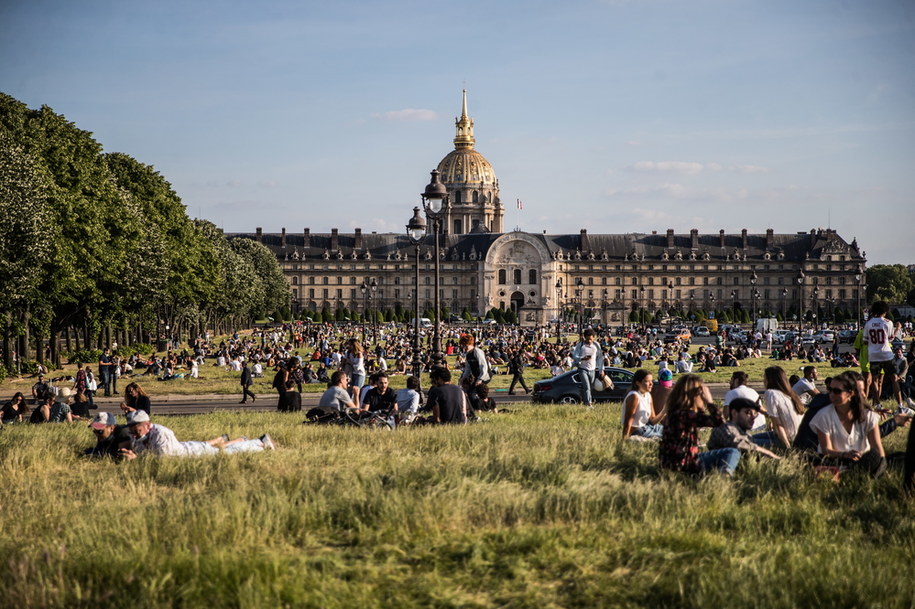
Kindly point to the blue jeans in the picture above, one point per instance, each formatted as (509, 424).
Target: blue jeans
(724, 460)
(766, 439)
(586, 380)
(648, 431)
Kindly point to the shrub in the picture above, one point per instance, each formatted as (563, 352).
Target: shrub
(84, 356)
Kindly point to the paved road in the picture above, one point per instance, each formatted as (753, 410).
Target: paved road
(204, 404)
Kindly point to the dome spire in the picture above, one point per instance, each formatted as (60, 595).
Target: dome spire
(464, 126)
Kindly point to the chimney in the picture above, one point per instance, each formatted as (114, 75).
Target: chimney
(694, 238)
(306, 235)
(721, 238)
(584, 243)
(259, 234)
(743, 236)
(670, 237)
(358, 239)
(769, 239)
(283, 237)
(334, 246)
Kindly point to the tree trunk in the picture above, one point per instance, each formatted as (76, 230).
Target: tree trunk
(7, 356)
(66, 338)
(55, 347)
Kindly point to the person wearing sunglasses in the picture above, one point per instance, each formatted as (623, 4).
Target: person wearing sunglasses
(848, 433)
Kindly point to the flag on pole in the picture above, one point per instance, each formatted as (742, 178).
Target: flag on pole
(520, 204)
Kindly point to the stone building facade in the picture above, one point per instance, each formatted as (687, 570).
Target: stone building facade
(540, 275)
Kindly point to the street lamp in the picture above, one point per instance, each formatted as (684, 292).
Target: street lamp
(858, 315)
(753, 279)
(734, 295)
(365, 306)
(558, 310)
(641, 309)
(711, 298)
(373, 288)
(670, 302)
(579, 297)
(603, 305)
(416, 230)
(785, 304)
(435, 197)
(692, 298)
(800, 300)
(816, 294)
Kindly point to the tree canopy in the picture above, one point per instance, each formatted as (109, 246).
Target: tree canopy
(94, 241)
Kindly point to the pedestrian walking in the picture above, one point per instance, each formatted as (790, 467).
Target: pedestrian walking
(247, 379)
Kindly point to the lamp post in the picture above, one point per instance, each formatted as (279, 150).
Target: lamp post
(603, 306)
(753, 279)
(858, 315)
(670, 301)
(558, 310)
(373, 288)
(785, 304)
(365, 306)
(416, 230)
(434, 198)
(692, 298)
(800, 300)
(579, 297)
(711, 298)
(734, 295)
(816, 294)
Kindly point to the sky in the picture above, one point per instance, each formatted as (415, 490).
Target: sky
(619, 116)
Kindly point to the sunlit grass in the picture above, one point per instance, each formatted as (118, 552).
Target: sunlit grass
(536, 507)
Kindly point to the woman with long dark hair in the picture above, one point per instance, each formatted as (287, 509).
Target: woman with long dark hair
(847, 431)
(135, 399)
(16, 410)
(783, 405)
(689, 408)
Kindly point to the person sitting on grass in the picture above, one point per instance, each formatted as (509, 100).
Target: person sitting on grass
(848, 433)
(154, 439)
(689, 408)
(110, 437)
(380, 397)
(736, 432)
(639, 416)
(135, 399)
(408, 400)
(54, 411)
(486, 402)
(783, 405)
(336, 397)
(16, 410)
(448, 402)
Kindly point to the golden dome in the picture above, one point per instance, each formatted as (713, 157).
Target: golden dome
(466, 166)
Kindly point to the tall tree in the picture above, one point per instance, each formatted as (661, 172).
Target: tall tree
(889, 282)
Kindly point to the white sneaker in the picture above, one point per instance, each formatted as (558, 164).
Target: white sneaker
(267, 441)
(910, 402)
(908, 412)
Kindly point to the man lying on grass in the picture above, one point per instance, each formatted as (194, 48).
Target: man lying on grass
(158, 440)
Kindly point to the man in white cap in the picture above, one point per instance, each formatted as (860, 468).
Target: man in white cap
(109, 436)
(159, 440)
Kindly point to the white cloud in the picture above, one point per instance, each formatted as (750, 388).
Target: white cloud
(681, 192)
(692, 168)
(634, 143)
(668, 167)
(406, 115)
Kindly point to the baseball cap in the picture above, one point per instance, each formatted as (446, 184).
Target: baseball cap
(137, 416)
(102, 419)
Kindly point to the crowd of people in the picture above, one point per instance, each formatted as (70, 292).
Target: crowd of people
(840, 425)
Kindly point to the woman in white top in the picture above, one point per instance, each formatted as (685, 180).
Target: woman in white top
(846, 430)
(783, 406)
(639, 416)
(354, 365)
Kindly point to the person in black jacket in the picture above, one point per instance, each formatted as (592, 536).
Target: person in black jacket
(247, 379)
(516, 368)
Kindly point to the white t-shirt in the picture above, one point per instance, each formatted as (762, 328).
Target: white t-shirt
(878, 333)
(827, 421)
(745, 392)
(589, 351)
(804, 389)
(642, 409)
(781, 407)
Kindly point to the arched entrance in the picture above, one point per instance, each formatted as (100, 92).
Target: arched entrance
(517, 302)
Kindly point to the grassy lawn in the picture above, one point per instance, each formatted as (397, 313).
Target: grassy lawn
(215, 380)
(538, 507)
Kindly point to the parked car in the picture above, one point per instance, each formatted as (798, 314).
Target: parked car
(701, 331)
(677, 334)
(824, 336)
(847, 336)
(564, 388)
